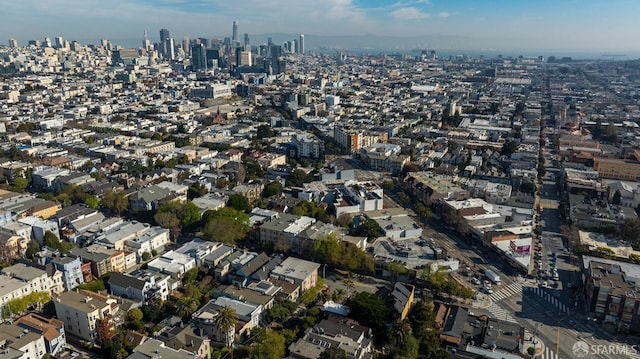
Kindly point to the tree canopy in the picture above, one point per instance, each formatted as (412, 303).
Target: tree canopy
(225, 225)
(338, 254)
(368, 228)
(298, 177)
(272, 189)
(239, 202)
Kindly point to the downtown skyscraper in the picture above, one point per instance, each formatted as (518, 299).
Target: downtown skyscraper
(301, 44)
(236, 36)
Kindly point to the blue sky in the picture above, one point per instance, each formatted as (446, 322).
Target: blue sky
(499, 24)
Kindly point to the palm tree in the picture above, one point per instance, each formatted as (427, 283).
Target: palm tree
(186, 306)
(225, 321)
(400, 331)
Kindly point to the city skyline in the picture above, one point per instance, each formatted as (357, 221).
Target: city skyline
(468, 24)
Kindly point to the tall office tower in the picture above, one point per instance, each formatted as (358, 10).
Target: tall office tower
(170, 49)
(186, 45)
(164, 35)
(294, 46)
(204, 41)
(246, 39)
(301, 44)
(47, 42)
(145, 41)
(13, 43)
(236, 36)
(269, 41)
(59, 42)
(35, 43)
(75, 46)
(198, 57)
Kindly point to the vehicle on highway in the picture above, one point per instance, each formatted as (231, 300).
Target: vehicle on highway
(475, 281)
(545, 284)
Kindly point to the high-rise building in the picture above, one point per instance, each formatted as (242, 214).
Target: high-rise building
(246, 39)
(47, 42)
(35, 43)
(236, 37)
(301, 44)
(13, 43)
(59, 42)
(294, 46)
(198, 57)
(186, 45)
(164, 35)
(145, 41)
(170, 49)
(204, 41)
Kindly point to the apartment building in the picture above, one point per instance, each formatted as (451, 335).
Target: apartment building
(612, 294)
(617, 168)
(84, 316)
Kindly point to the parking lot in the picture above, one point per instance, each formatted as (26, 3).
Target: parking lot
(413, 253)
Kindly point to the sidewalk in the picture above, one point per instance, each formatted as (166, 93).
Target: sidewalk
(483, 302)
(536, 343)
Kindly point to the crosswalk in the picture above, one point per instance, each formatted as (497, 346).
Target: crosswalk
(548, 354)
(506, 292)
(550, 298)
(500, 313)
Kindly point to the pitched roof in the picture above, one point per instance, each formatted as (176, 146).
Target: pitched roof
(126, 281)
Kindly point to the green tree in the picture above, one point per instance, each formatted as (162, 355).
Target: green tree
(239, 202)
(604, 252)
(225, 319)
(272, 189)
(387, 185)
(196, 190)
(338, 254)
(371, 311)
(269, 344)
(630, 231)
(20, 305)
(264, 131)
(344, 220)
(32, 248)
(20, 184)
(193, 291)
(225, 229)
(400, 332)
(51, 240)
(298, 177)
(116, 201)
(146, 256)
(368, 228)
(134, 319)
(190, 215)
(186, 306)
(280, 312)
(94, 286)
(509, 147)
(92, 202)
(190, 276)
(166, 219)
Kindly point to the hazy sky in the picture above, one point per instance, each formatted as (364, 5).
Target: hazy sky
(501, 24)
